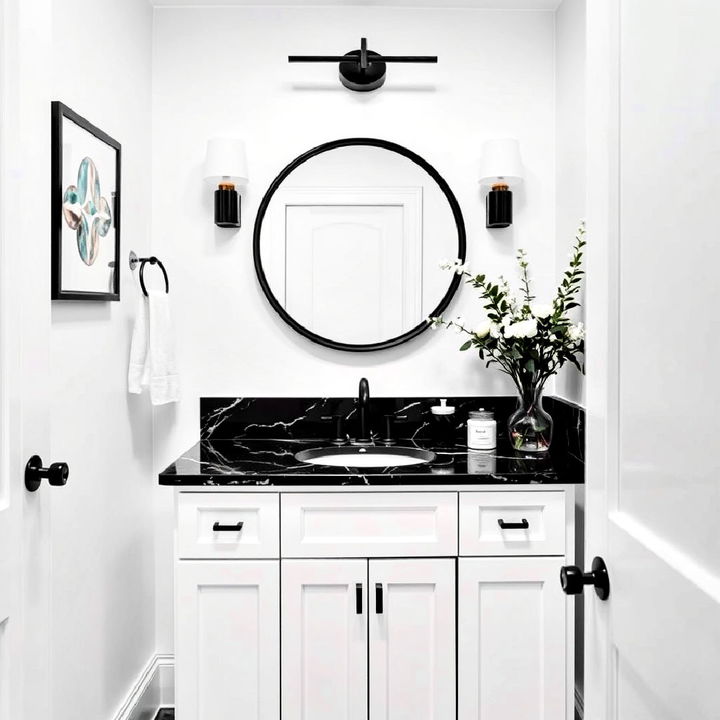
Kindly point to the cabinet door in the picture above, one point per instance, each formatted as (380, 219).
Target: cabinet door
(324, 639)
(227, 639)
(511, 639)
(412, 639)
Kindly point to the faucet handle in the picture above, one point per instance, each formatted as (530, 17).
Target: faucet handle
(339, 438)
(388, 438)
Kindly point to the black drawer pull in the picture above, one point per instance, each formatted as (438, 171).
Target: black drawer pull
(218, 527)
(378, 598)
(522, 525)
(358, 598)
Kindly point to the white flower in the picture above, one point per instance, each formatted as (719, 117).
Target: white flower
(531, 328)
(494, 330)
(460, 268)
(507, 321)
(483, 328)
(457, 266)
(541, 310)
(434, 322)
(576, 332)
(522, 329)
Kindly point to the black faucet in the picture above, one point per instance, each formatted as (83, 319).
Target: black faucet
(363, 405)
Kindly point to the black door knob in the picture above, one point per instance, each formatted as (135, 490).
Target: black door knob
(574, 580)
(57, 474)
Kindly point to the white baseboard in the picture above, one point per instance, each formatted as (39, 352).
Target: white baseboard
(155, 688)
(152, 690)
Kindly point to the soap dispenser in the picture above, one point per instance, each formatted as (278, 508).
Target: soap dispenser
(443, 427)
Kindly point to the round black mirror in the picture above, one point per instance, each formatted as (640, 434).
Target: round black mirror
(347, 243)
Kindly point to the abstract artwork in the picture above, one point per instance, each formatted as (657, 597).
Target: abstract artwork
(86, 209)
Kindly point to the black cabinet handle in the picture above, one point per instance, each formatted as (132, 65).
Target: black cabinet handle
(218, 527)
(522, 525)
(378, 598)
(358, 598)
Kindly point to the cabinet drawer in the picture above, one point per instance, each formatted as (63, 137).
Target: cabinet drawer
(206, 520)
(534, 523)
(369, 524)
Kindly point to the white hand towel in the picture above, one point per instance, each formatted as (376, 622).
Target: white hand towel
(164, 380)
(152, 352)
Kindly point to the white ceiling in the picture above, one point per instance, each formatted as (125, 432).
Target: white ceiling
(486, 4)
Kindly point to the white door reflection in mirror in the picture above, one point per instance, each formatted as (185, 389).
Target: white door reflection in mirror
(352, 265)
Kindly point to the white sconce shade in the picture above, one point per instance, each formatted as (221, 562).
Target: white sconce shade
(501, 162)
(226, 161)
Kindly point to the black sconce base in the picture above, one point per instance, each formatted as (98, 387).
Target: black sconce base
(227, 208)
(498, 209)
(354, 77)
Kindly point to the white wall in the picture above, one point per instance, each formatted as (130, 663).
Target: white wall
(570, 153)
(225, 70)
(103, 580)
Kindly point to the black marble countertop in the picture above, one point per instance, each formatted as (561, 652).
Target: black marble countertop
(253, 462)
(253, 441)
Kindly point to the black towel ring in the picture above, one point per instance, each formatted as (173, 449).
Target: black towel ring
(153, 261)
(133, 260)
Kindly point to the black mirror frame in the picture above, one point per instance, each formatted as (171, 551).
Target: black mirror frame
(333, 145)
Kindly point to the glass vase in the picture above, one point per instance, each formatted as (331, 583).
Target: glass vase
(530, 427)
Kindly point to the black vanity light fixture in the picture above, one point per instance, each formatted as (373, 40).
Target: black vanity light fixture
(500, 169)
(363, 70)
(226, 168)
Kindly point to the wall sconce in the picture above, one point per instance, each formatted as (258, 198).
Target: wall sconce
(226, 167)
(500, 168)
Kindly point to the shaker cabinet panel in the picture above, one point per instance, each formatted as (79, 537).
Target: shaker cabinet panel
(511, 639)
(383, 524)
(228, 640)
(412, 639)
(324, 639)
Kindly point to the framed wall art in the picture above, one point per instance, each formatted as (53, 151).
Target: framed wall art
(85, 209)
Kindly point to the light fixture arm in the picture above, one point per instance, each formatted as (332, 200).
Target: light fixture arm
(362, 70)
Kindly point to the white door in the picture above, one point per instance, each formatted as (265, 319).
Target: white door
(324, 639)
(511, 639)
(412, 639)
(653, 485)
(24, 342)
(227, 619)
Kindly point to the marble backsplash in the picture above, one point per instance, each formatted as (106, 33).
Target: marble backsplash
(306, 418)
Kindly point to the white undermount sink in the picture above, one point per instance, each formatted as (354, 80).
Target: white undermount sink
(365, 456)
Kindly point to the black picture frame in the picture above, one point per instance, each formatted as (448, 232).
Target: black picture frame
(60, 113)
(332, 145)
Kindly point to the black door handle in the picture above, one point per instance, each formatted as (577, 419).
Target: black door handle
(57, 474)
(218, 527)
(358, 598)
(522, 525)
(378, 598)
(573, 580)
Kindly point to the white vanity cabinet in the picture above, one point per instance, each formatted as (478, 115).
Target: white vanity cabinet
(298, 604)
